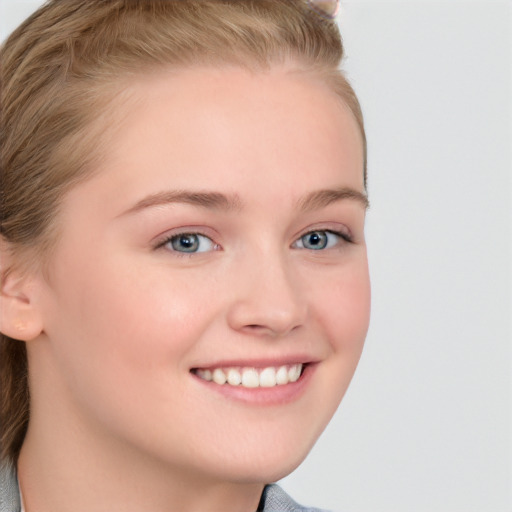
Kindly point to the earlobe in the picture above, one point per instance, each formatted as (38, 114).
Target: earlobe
(20, 318)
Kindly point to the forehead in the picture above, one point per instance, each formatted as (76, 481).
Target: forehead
(253, 131)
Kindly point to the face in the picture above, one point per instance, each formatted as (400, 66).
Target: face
(222, 238)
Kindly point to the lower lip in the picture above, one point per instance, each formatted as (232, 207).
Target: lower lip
(276, 395)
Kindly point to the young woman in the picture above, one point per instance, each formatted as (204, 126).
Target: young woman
(185, 290)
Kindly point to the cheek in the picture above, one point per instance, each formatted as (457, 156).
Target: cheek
(354, 308)
(343, 308)
(340, 310)
(121, 342)
(116, 324)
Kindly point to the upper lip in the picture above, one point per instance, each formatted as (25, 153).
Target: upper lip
(259, 362)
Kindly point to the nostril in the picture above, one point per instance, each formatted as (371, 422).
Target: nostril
(258, 330)
(255, 328)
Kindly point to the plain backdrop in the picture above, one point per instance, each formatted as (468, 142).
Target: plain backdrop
(426, 424)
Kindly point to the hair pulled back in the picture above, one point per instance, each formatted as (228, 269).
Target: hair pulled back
(61, 72)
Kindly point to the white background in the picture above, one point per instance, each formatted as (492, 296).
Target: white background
(426, 424)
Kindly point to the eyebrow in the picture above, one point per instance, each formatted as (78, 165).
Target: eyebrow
(322, 198)
(208, 200)
(219, 201)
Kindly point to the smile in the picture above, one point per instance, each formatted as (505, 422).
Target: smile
(249, 377)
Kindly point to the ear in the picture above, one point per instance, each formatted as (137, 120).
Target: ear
(20, 317)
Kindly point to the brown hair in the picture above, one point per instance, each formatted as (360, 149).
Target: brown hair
(63, 68)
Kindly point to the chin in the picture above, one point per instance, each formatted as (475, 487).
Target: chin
(264, 464)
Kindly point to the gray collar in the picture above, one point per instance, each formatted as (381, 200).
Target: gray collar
(9, 492)
(274, 499)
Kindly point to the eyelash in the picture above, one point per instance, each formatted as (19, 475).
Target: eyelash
(345, 238)
(181, 254)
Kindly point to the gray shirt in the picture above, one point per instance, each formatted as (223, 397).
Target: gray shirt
(273, 499)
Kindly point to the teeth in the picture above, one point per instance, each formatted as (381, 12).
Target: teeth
(234, 377)
(205, 374)
(252, 377)
(282, 375)
(268, 378)
(218, 376)
(294, 373)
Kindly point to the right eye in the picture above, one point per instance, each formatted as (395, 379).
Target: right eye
(189, 243)
(321, 239)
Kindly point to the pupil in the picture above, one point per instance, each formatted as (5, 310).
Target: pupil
(316, 240)
(186, 243)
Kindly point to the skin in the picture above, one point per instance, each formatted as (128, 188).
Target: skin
(118, 422)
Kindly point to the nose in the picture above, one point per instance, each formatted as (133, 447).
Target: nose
(268, 300)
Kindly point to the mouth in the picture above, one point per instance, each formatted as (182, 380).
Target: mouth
(252, 377)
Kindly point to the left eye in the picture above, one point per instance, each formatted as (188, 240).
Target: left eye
(318, 240)
(190, 243)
